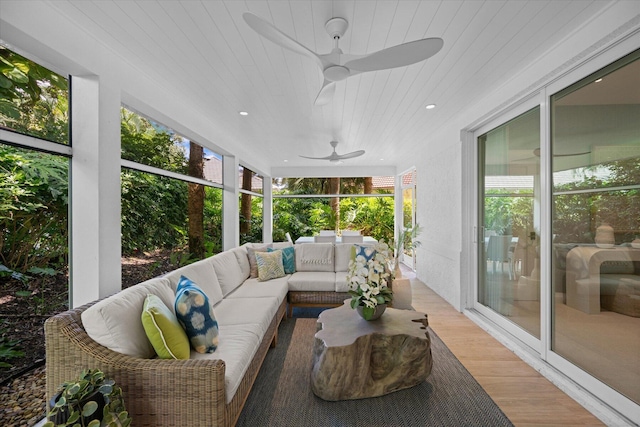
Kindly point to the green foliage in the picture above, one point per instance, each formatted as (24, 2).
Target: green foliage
(153, 213)
(150, 144)
(374, 216)
(255, 228)
(33, 100)
(8, 350)
(33, 209)
(77, 398)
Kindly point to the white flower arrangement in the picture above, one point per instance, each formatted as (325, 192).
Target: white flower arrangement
(368, 280)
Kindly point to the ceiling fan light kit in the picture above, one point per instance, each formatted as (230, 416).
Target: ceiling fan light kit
(337, 66)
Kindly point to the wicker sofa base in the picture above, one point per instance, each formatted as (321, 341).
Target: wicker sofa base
(315, 299)
(172, 393)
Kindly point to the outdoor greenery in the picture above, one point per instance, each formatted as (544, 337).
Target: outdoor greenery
(33, 100)
(91, 400)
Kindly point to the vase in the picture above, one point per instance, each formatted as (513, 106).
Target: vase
(380, 308)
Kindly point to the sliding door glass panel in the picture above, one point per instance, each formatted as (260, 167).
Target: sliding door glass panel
(596, 217)
(509, 215)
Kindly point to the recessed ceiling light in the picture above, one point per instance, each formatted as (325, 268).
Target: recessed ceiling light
(598, 81)
(430, 106)
(244, 113)
(285, 160)
(381, 159)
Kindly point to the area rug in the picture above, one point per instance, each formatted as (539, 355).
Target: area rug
(282, 396)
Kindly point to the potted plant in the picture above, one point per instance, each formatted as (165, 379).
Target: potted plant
(406, 240)
(368, 280)
(91, 400)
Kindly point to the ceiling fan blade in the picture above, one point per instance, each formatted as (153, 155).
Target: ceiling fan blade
(397, 56)
(318, 158)
(270, 32)
(572, 154)
(326, 93)
(351, 155)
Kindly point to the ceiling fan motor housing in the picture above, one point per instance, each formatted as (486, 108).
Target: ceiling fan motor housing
(336, 27)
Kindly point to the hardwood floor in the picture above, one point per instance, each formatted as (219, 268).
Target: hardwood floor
(525, 396)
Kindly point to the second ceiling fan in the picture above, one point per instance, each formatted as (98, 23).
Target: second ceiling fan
(337, 66)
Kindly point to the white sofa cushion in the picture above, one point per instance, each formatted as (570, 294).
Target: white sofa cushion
(342, 256)
(252, 288)
(280, 245)
(238, 345)
(229, 272)
(312, 281)
(202, 274)
(115, 322)
(341, 281)
(243, 260)
(260, 311)
(314, 257)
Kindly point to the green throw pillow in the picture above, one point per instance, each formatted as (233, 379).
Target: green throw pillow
(163, 330)
(269, 265)
(288, 259)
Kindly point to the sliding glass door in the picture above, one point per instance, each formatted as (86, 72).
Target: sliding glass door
(558, 218)
(595, 144)
(509, 221)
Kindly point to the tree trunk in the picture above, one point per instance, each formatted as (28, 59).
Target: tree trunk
(334, 188)
(245, 204)
(368, 185)
(196, 202)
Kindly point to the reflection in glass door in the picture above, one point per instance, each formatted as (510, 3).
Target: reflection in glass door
(409, 213)
(509, 220)
(595, 142)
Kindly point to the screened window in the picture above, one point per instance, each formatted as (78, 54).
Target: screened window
(33, 100)
(171, 205)
(251, 212)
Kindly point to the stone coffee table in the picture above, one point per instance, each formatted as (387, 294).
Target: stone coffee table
(354, 358)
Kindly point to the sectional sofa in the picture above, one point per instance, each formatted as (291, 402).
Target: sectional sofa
(207, 389)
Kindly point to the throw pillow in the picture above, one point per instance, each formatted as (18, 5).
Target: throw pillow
(368, 252)
(269, 265)
(288, 259)
(195, 314)
(251, 254)
(163, 330)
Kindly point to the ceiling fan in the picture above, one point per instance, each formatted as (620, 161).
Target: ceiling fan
(536, 155)
(337, 66)
(335, 157)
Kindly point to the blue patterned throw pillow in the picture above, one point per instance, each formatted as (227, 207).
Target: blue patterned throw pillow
(368, 252)
(195, 314)
(288, 259)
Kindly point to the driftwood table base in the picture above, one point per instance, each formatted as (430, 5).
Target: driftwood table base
(355, 359)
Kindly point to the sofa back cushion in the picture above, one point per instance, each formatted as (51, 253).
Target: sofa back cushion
(114, 322)
(202, 273)
(243, 261)
(314, 257)
(230, 274)
(280, 245)
(343, 256)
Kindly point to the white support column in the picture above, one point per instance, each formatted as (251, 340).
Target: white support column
(95, 190)
(267, 210)
(398, 202)
(230, 208)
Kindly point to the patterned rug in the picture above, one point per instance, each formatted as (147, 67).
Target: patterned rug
(282, 396)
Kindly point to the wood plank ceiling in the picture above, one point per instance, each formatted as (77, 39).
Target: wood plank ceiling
(206, 51)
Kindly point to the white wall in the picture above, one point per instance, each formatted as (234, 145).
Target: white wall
(444, 176)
